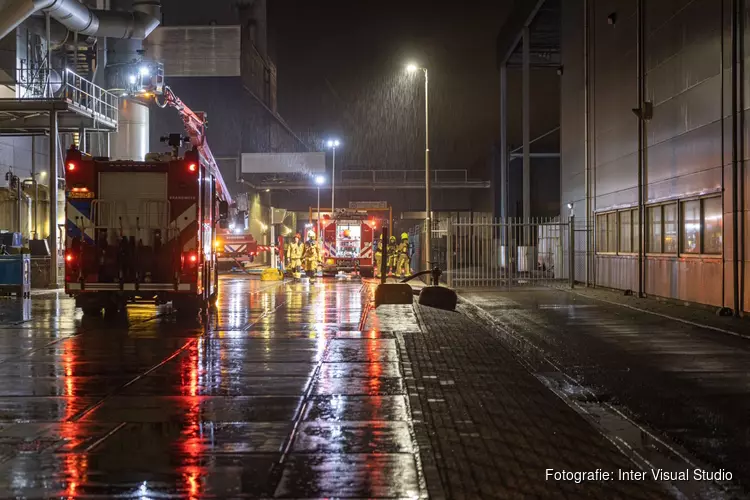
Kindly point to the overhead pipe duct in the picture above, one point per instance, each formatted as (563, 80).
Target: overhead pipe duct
(77, 17)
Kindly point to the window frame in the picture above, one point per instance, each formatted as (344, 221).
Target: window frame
(605, 240)
(602, 232)
(680, 222)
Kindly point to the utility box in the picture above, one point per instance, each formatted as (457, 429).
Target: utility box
(15, 275)
(12, 240)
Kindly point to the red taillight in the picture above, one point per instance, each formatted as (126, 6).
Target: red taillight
(69, 257)
(192, 167)
(193, 258)
(71, 166)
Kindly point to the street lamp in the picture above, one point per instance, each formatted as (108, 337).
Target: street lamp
(413, 68)
(319, 181)
(333, 144)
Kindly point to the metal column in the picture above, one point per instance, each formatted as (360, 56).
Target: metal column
(504, 172)
(640, 40)
(503, 144)
(586, 158)
(526, 124)
(53, 137)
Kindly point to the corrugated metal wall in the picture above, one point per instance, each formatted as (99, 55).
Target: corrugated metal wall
(688, 140)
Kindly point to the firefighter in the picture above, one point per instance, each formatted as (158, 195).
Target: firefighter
(294, 254)
(379, 256)
(392, 254)
(311, 256)
(403, 264)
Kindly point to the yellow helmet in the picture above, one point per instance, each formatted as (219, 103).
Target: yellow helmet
(311, 235)
(393, 239)
(381, 236)
(404, 236)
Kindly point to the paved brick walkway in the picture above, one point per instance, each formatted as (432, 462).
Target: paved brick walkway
(687, 383)
(487, 428)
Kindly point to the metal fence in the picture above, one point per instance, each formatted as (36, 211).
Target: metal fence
(504, 253)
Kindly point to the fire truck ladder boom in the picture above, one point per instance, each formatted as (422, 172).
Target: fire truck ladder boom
(195, 126)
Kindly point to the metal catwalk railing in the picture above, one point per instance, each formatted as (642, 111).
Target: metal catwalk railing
(474, 253)
(82, 95)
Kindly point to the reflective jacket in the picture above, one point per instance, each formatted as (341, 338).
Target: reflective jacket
(295, 250)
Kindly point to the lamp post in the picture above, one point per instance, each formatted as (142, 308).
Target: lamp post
(413, 68)
(319, 180)
(333, 144)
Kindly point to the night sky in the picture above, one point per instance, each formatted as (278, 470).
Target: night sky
(341, 72)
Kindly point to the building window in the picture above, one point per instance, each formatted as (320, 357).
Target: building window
(670, 228)
(612, 232)
(691, 226)
(636, 222)
(626, 235)
(712, 222)
(601, 233)
(654, 229)
(606, 232)
(701, 226)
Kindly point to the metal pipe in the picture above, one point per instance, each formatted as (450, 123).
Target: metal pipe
(737, 85)
(333, 182)
(537, 138)
(77, 17)
(36, 186)
(526, 122)
(53, 123)
(641, 138)
(741, 9)
(514, 156)
(48, 85)
(427, 204)
(586, 158)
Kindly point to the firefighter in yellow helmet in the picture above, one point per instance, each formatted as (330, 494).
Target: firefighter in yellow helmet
(379, 256)
(392, 254)
(311, 255)
(403, 265)
(294, 252)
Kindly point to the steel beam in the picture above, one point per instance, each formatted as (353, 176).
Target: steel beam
(526, 90)
(503, 145)
(52, 176)
(370, 186)
(513, 156)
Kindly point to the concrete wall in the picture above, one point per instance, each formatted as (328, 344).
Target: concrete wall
(688, 140)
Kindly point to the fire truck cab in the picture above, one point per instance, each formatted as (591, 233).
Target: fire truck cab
(142, 230)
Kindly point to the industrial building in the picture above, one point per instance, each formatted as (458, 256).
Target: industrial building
(652, 140)
(77, 73)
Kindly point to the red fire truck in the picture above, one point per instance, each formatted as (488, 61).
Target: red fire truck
(236, 248)
(348, 238)
(145, 230)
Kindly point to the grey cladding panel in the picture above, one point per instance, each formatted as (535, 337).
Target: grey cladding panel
(196, 50)
(693, 152)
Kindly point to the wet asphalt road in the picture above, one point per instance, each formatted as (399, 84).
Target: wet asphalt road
(281, 396)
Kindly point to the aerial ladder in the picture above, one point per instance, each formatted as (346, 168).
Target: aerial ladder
(195, 126)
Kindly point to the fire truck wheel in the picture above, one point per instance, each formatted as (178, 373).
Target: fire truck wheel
(115, 308)
(92, 310)
(189, 307)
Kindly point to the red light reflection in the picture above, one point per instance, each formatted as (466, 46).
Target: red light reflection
(191, 439)
(75, 464)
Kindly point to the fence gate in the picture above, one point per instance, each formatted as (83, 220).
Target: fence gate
(502, 253)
